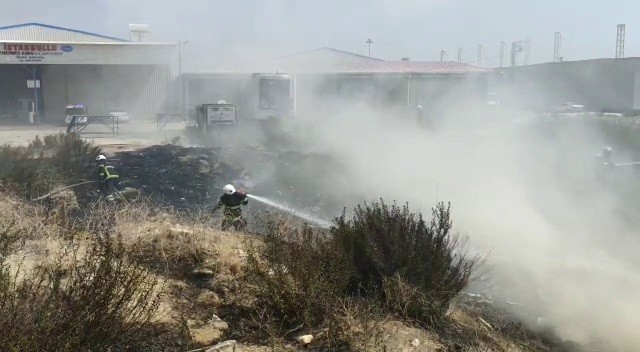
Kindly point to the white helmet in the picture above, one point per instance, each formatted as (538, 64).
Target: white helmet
(229, 189)
(101, 157)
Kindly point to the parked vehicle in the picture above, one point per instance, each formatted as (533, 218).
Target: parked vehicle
(123, 115)
(258, 97)
(569, 107)
(76, 110)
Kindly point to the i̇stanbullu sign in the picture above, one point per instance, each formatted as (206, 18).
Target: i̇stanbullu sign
(33, 52)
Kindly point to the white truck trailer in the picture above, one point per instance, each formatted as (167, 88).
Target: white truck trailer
(256, 97)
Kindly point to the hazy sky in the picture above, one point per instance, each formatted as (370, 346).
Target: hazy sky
(399, 28)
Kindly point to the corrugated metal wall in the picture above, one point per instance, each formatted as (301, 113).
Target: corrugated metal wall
(139, 89)
(597, 84)
(154, 94)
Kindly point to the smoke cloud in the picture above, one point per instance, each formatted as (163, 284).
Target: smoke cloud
(530, 194)
(561, 237)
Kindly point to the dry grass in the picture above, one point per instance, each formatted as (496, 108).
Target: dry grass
(87, 296)
(171, 246)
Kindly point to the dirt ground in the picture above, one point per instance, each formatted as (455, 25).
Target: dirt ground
(143, 133)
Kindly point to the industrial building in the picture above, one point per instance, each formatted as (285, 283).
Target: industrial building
(44, 68)
(601, 85)
(434, 85)
(328, 75)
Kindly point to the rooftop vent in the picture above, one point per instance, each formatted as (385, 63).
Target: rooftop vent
(139, 32)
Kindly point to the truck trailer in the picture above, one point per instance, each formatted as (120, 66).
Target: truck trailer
(256, 97)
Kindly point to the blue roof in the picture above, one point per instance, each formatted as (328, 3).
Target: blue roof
(62, 29)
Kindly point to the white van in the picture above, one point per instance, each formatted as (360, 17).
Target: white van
(76, 110)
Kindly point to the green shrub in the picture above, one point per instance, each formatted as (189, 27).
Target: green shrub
(416, 267)
(85, 299)
(384, 255)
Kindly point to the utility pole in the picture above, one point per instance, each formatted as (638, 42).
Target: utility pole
(36, 110)
(620, 41)
(181, 45)
(460, 54)
(369, 42)
(480, 54)
(516, 49)
(557, 47)
(503, 52)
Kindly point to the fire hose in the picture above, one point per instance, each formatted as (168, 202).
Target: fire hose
(62, 189)
(72, 186)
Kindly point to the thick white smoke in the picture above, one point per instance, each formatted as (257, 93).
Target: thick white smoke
(527, 194)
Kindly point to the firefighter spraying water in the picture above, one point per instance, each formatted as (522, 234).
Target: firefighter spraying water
(231, 201)
(304, 216)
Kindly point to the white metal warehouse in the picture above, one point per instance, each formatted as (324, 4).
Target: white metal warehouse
(44, 68)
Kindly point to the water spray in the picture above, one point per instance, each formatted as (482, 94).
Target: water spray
(302, 215)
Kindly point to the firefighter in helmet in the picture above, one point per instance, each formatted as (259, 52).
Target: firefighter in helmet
(107, 178)
(231, 202)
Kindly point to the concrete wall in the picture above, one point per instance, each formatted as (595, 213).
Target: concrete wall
(597, 84)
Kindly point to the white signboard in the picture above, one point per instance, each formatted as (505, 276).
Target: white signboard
(87, 54)
(31, 85)
(221, 114)
(32, 53)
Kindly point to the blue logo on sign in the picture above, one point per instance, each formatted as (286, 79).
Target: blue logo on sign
(66, 48)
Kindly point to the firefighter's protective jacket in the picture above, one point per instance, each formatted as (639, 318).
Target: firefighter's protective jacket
(106, 173)
(232, 203)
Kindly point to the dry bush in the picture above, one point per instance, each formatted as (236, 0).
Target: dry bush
(36, 169)
(94, 288)
(296, 276)
(22, 172)
(70, 153)
(164, 241)
(94, 298)
(174, 252)
(356, 325)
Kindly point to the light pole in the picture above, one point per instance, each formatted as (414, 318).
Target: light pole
(369, 42)
(181, 45)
